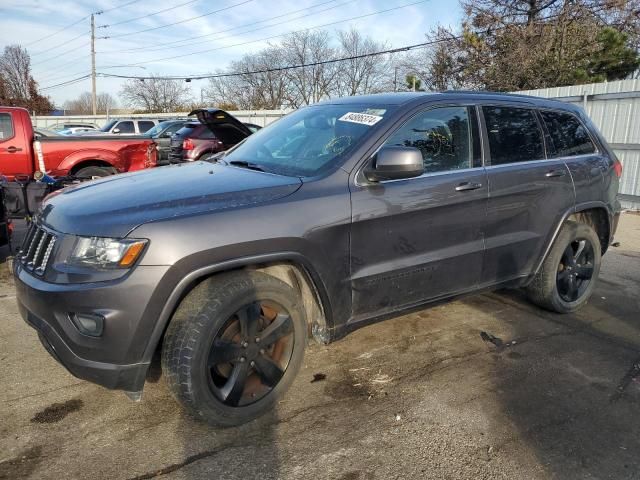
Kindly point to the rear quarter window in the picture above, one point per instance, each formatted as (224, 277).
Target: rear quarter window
(569, 136)
(145, 125)
(6, 127)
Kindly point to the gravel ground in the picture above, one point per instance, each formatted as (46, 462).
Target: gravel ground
(425, 395)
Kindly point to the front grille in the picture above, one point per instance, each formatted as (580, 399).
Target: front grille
(36, 249)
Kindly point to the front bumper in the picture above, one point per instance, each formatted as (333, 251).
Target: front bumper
(114, 360)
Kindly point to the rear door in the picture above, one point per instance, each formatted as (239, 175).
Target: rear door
(528, 192)
(15, 147)
(421, 238)
(570, 141)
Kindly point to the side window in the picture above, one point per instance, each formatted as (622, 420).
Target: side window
(568, 134)
(144, 125)
(6, 127)
(173, 128)
(443, 135)
(125, 127)
(514, 135)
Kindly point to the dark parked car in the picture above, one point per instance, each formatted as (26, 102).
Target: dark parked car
(337, 215)
(198, 140)
(161, 134)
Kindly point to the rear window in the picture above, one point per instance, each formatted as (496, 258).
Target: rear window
(144, 125)
(514, 135)
(568, 134)
(6, 126)
(187, 130)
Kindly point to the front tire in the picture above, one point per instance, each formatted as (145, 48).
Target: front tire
(234, 346)
(90, 173)
(567, 277)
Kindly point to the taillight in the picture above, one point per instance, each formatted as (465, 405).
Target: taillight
(617, 167)
(187, 144)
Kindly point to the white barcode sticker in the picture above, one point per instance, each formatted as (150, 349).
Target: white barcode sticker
(362, 118)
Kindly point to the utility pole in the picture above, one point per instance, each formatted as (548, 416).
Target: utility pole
(94, 103)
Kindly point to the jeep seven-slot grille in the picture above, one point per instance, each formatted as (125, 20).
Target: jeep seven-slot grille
(36, 249)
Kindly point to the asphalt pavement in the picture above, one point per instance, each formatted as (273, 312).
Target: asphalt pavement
(488, 386)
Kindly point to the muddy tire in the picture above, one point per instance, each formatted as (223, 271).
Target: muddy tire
(89, 173)
(568, 275)
(233, 347)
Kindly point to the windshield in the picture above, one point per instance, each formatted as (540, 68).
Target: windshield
(152, 132)
(309, 141)
(108, 126)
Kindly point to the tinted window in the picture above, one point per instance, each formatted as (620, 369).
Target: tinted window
(514, 135)
(443, 135)
(126, 127)
(6, 126)
(173, 128)
(144, 125)
(187, 130)
(568, 135)
(204, 133)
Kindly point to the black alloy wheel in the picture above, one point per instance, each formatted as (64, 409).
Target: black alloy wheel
(250, 353)
(575, 270)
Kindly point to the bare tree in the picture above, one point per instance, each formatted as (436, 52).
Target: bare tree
(309, 84)
(15, 66)
(156, 94)
(83, 105)
(17, 86)
(362, 75)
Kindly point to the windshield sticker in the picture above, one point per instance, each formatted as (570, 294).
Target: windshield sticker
(361, 118)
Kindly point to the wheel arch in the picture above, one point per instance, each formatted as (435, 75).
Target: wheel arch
(291, 267)
(89, 163)
(595, 214)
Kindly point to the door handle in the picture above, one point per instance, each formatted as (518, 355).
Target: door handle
(466, 186)
(555, 173)
(12, 149)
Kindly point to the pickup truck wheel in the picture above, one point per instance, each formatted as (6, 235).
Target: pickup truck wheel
(567, 277)
(89, 173)
(234, 346)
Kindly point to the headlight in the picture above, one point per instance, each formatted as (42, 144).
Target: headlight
(106, 252)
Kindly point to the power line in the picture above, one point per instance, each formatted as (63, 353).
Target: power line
(61, 66)
(61, 44)
(179, 22)
(288, 67)
(60, 54)
(279, 35)
(160, 46)
(70, 82)
(57, 31)
(148, 15)
(117, 7)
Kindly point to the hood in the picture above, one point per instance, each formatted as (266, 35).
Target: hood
(112, 206)
(228, 129)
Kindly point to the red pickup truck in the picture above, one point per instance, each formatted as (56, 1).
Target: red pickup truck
(83, 157)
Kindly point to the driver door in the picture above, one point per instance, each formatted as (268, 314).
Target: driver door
(419, 239)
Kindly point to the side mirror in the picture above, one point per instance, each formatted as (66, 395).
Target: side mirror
(115, 130)
(394, 163)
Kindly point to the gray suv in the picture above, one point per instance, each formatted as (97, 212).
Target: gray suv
(337, 215)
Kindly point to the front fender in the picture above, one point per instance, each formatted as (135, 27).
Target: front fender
(181, 278)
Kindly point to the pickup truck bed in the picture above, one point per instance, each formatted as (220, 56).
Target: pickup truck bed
(22, 153)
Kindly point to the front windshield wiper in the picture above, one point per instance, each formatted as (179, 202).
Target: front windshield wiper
(245, 164)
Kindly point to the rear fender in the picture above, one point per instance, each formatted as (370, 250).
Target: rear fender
(99, 154)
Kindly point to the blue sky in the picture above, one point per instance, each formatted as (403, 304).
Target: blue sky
(243, 26)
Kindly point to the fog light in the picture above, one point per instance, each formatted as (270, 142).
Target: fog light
(88, 323)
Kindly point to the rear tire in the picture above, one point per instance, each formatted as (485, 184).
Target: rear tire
(567, 277)
(213, 358)
(89, 173)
